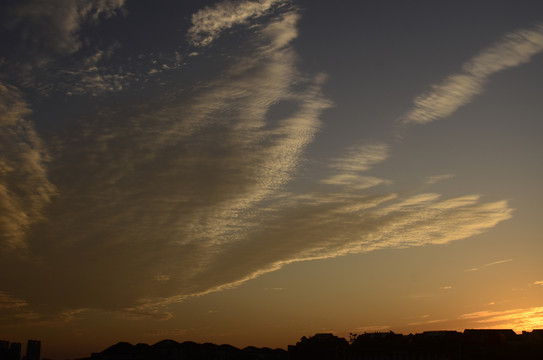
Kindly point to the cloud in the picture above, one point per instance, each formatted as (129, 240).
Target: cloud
(160, 188)
(429, 322)
(438, 178)
(9, 302)
(162, 277)
(517, 319)
(185, 193)
(490, 264)
(538, 282)
(457, 90)
(362, 158)
(137, 314)
(210, 22)
(46, 50)
(14, 310)
(358, 159)
(25, 189)
(54, 25)
(326, 229)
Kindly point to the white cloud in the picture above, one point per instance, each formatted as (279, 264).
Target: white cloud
(511, 50)
(457, 90)
(444, 98)
(210, 22)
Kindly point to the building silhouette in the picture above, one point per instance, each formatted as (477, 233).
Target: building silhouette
(472, 344)
(15, 351)
(33, 348)
(320, 347)
(10, 351)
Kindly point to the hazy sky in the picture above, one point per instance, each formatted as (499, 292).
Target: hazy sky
(249, 172)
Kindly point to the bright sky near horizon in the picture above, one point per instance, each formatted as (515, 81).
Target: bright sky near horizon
(250, 172)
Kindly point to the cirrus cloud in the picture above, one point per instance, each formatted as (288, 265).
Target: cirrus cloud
(185, 193)
(459, 89)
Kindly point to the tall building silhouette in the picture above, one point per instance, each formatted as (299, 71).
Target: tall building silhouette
(10, 351)
(4, 348)
(15, 350)
(33, 348)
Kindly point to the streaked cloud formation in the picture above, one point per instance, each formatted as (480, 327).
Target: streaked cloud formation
(55, 25)
(184, 179)
(208, 23)
(24, 185)
(516, 319)
(355, 161)
(159, 197)
(459, 89)
(10, 302)
(438, 178)
(490, 264)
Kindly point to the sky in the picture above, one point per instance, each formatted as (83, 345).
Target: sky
(253, 171)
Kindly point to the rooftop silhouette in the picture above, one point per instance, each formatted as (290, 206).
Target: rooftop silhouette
(12, 351)
(471, 344)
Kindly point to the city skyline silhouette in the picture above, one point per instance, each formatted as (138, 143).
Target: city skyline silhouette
(471, 344)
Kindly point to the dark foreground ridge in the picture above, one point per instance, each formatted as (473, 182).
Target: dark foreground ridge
(472, 344)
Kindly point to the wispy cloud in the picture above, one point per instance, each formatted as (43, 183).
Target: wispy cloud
(24, 185)
(47, 51)
(319, 229)
(516, 319)
(459, 89)
(54, 25)
(428, 322)
(438, 178)
(490, 264)
(177, 182)
(362, 158)
(355, 161)
(9, 302)
(210, 22)
(185, 193)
